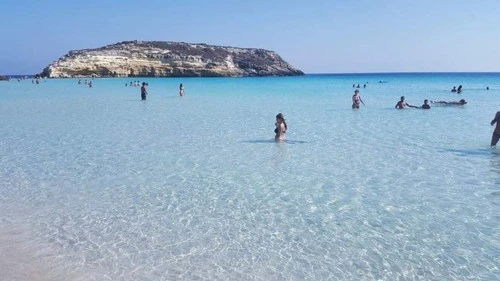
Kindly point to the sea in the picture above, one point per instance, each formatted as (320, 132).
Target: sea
(96, 184)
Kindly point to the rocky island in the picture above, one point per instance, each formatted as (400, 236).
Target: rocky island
(169, 59)
(3, 78)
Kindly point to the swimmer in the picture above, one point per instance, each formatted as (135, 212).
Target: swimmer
(356, 99)
(454, 90)
(460, 102)
(281, 127)
(426, 105)
(496, 133)
(403, 104)
(459, 89)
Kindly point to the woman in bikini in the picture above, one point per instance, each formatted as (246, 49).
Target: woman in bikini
(356, 99)
(281, 127)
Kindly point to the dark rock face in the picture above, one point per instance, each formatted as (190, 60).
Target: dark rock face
(169, 59)
(3, 78)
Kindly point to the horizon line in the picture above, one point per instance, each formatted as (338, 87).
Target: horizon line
(403, 72)
(343, 73)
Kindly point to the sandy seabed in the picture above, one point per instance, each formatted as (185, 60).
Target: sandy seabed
(18, 261)
(21, 261)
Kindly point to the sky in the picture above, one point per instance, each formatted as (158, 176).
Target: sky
(315, 36)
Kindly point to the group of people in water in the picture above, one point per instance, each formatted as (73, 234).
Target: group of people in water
(134, 84)
(281, 126)
(354, 86)
(457, 90)
(402, 103)
(144, 90)
(88, 83)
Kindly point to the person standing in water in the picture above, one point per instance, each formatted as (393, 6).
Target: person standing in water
(144, 91)
(181, 90)
(356, 100)
(281, 127)
(496, 133)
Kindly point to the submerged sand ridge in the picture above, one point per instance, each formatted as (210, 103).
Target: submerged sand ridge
(169, 59)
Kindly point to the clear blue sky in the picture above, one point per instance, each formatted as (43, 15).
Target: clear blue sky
(316, 36)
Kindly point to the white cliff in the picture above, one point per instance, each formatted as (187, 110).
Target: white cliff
(169, 59)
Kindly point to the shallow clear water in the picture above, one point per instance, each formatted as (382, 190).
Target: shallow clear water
(195, 188)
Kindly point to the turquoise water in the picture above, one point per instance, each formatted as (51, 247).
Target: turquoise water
(102, 186)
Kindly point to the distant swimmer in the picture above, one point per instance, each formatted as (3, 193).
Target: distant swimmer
(144, 91)
(181, 90)
(356, 99)
(281, 127)
(496, 133)
(426, 105)
(403, 104)
(358, 86)
(454, 90)
(90, 84)
(460, 102)
(364, 86)
(487, 88)
(459, 89)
